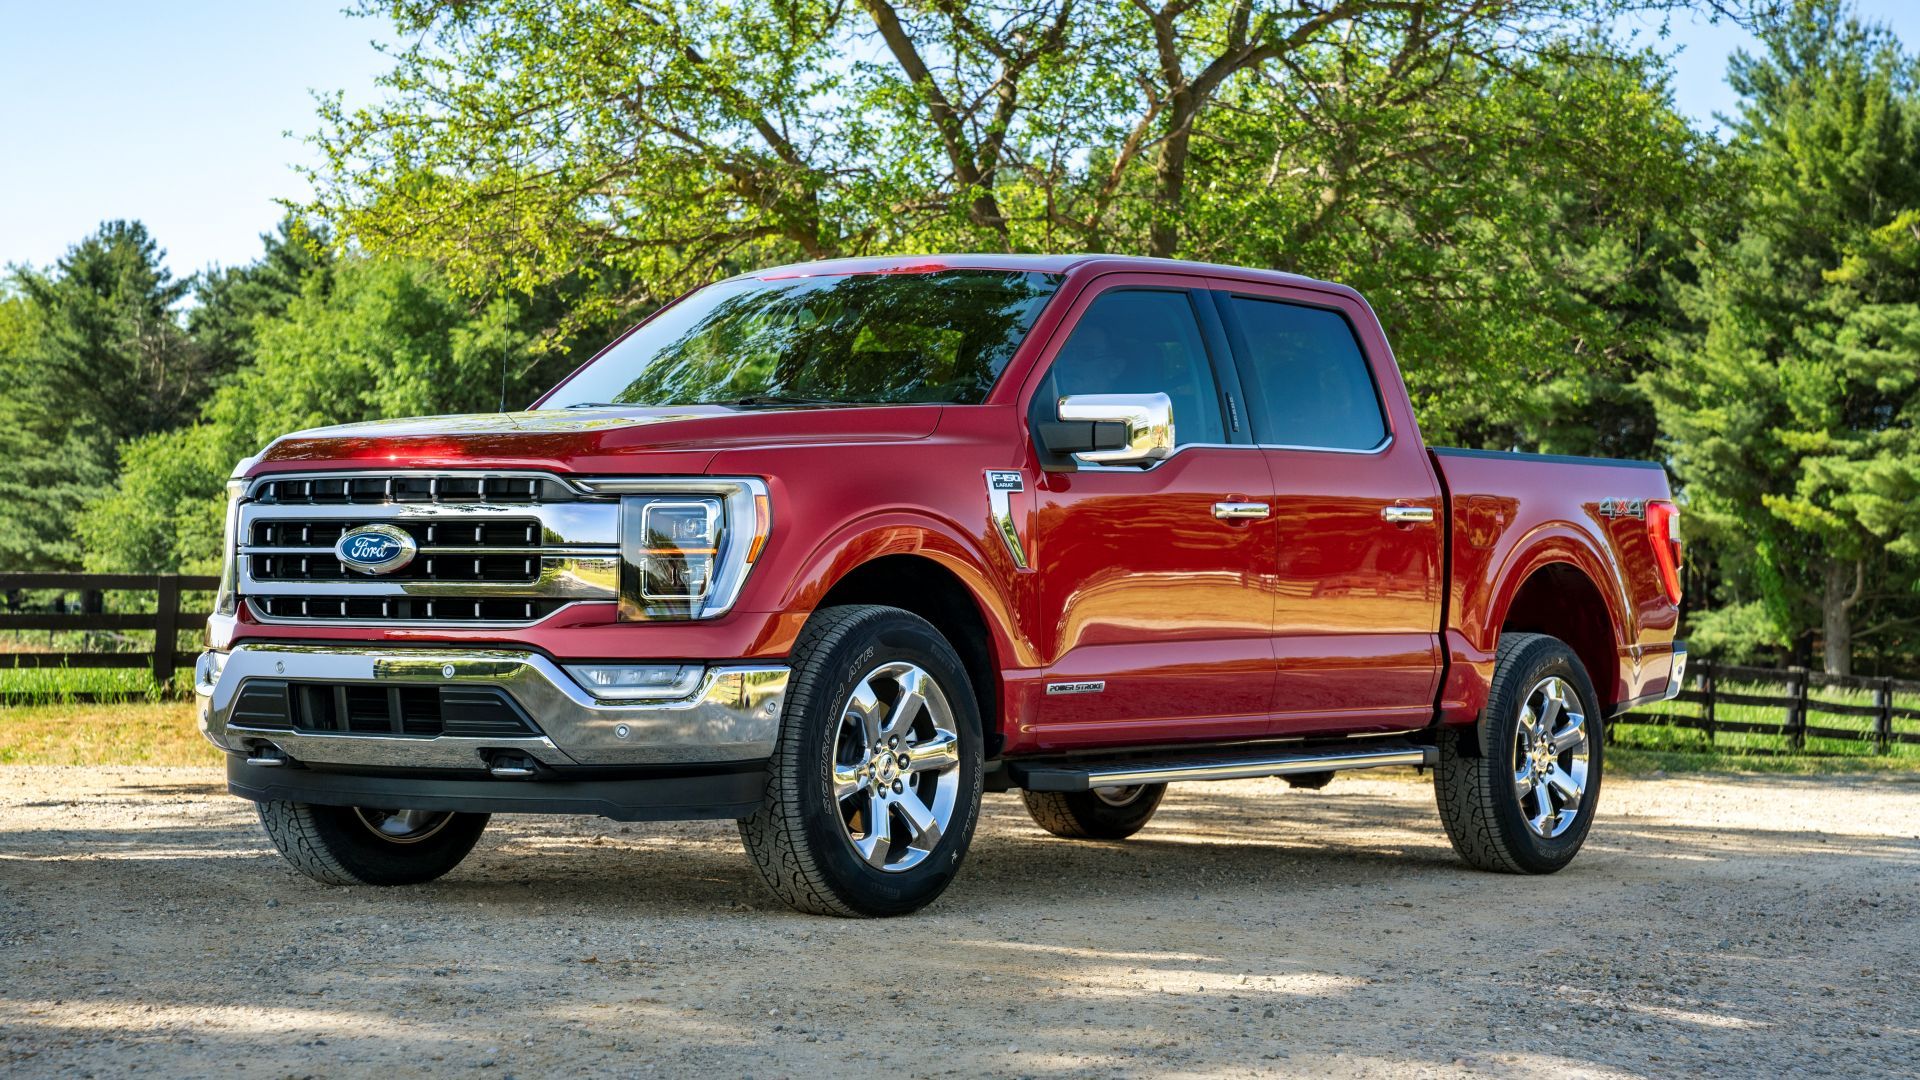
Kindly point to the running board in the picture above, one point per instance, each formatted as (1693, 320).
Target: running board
(1085, 775)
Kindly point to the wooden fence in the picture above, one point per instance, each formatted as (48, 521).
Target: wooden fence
(1799, 711)
(88, 613)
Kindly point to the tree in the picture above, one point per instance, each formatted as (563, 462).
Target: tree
(228, 302)
(108, 353)
(1790, 404)
(368, 339)
(91, 353)
(527, 140)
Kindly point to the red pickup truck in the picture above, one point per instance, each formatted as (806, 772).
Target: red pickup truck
(833, 549)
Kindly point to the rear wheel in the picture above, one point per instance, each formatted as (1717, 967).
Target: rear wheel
(1106, 813)
(1518, 790)
(874, 788)
(357, 845)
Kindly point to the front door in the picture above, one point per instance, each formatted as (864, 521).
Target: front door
(1155, 609)
(1358, 515)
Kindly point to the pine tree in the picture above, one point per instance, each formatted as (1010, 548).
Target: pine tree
(1790, 406)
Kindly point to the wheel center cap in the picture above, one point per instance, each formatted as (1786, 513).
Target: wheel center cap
(1542, 759)
(886, 768)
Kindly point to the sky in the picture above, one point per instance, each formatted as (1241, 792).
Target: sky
(191, 116)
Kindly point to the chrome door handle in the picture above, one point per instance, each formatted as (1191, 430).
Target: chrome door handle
(1407, 515)
(1240, 511)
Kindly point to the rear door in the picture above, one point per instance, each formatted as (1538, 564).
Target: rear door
(1357, 513)
(1155, 607)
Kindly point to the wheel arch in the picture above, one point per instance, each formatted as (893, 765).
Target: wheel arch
(936, 575)
(1560, 597)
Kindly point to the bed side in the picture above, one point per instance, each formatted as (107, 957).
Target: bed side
(1556, 545)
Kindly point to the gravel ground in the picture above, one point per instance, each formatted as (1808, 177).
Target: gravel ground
(1716, 926)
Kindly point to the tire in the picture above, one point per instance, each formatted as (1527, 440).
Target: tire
(351, 845)
(844, 828)
(1493, 776)
(1104, 814)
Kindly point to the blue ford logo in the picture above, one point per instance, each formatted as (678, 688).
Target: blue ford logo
(375, 549)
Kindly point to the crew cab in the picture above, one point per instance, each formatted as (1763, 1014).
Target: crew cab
(834, 549)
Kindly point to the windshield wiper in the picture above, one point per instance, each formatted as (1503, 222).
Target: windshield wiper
(600, 405)
(751, 400)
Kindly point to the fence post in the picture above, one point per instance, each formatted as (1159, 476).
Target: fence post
(1707, 682)
(1883, 723)
(1796, 726)
(166, 629)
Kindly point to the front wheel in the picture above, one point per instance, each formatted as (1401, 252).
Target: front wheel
(1518, 790)
(874, 787)
(358, 845)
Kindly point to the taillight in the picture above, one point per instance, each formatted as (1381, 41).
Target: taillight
(1663, 536)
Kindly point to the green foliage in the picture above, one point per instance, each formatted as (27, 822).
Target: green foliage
(362, 339)
(1502, 183)
(90, 355)
(1790, 404)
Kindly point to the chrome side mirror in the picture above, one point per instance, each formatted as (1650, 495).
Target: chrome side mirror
(1144, 423)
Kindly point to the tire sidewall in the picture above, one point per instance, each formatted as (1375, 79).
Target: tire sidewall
(1546, 657)
(378, 861)
(887, 636)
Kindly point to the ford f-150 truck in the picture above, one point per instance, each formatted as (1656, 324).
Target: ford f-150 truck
(833, 549)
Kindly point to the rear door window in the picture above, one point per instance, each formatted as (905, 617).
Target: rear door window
(1306, 380)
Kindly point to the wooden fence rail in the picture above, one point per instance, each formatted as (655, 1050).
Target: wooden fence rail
(1799, 710)
(42, 613)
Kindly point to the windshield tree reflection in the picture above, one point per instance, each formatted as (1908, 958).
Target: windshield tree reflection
(861, 338)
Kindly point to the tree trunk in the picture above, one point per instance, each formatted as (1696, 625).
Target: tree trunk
(1843, 587)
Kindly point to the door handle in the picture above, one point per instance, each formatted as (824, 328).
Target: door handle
(1407, 515)
(1240, 511)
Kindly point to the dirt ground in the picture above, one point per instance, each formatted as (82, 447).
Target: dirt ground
(1714, 926)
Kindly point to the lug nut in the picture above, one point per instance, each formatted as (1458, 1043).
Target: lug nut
(897, 786)
(895, 741)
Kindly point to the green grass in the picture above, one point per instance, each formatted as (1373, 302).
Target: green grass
(143, 733)
(1753, 745)
(63, 686)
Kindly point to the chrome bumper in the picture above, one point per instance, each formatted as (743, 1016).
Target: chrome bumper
(734, 715)
(1677, 678)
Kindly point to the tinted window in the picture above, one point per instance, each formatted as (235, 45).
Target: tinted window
(910, 337)
(1142, 342)
(1308, 382)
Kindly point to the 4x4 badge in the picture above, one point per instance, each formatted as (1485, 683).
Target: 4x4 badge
(1634, 508)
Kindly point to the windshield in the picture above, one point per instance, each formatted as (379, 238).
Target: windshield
(858, 338)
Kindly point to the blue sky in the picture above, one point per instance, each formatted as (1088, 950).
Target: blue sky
(177, 114)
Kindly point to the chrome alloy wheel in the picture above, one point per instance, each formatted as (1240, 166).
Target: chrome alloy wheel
(896, 766)
(402, 826)
(1120, 796)
(1550, 757)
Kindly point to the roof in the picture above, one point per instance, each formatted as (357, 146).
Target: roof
(1040, 264)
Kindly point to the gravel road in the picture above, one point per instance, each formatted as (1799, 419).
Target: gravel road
(1714, 926)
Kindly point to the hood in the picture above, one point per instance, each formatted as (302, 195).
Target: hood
(610, 440)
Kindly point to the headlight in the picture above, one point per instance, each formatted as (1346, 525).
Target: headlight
(686, 548)
(227, 600)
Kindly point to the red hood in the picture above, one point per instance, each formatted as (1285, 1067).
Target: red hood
(616, 441)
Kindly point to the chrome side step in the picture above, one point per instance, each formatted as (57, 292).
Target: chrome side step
(1085, 775)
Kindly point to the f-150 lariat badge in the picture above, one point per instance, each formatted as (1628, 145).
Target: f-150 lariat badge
(1002, 484)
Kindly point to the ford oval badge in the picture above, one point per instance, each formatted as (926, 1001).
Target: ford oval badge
(375, 549)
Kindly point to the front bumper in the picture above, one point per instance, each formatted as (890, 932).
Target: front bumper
(733, 716)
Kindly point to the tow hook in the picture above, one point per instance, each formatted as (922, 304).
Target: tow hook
(268, 757)
(511, 766)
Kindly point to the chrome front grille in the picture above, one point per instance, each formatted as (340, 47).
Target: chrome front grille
(301, 549)
(494, 549)
(338, 489)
